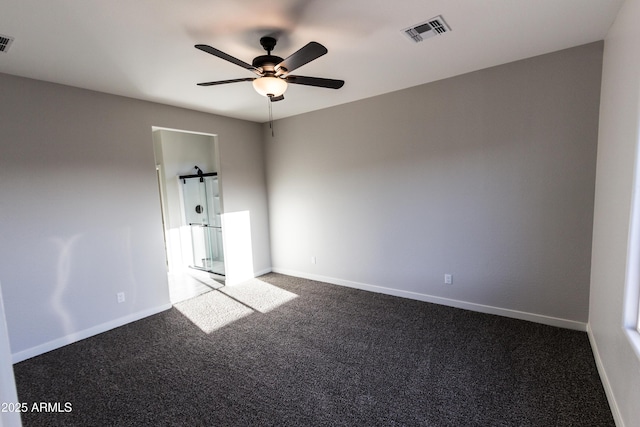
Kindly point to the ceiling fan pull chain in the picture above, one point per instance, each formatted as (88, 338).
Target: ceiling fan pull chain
(270, 116)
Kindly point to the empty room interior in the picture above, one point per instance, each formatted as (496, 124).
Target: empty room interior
(477, 156)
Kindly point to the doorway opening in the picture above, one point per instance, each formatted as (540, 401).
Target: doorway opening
(191, 199)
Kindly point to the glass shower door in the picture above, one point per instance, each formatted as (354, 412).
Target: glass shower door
(202, 213)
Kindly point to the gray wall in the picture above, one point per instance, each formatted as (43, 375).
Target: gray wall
(80, 210)
(488, 176)
(615, 273)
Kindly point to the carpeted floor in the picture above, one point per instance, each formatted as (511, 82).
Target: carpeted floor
(284, 351)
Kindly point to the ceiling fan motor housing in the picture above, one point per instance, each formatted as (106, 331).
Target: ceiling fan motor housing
(266, 62)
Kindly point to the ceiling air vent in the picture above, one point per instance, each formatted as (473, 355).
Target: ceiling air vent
(432, 27)
(5, 43)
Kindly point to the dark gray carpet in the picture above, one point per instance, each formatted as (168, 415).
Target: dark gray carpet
(331, 356)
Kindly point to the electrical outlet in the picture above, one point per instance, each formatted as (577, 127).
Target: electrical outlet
(120, 297)
(313, 260)
(448, 279)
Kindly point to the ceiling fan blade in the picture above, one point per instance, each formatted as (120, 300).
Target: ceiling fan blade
(220, 54)
(315, 81)
(306, 54)
(276, 98)
(222, 82)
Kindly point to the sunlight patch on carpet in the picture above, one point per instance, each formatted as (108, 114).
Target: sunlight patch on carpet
(259, 295)
(216, 309)
(212, 311)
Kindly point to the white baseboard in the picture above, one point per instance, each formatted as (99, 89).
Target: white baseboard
(261, 272)
(617, 417)
(515, 314)
(86, 333)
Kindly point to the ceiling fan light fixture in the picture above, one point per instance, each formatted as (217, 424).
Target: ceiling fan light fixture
(270, 86)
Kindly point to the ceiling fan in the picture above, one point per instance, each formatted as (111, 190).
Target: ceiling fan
(273, 71)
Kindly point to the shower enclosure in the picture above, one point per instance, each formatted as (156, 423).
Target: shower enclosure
(201, 201)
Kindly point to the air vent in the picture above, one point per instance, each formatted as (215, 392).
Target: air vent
(432, 27)
(5, 43)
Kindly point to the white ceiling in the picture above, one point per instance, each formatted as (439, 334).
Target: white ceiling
(144, 48)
